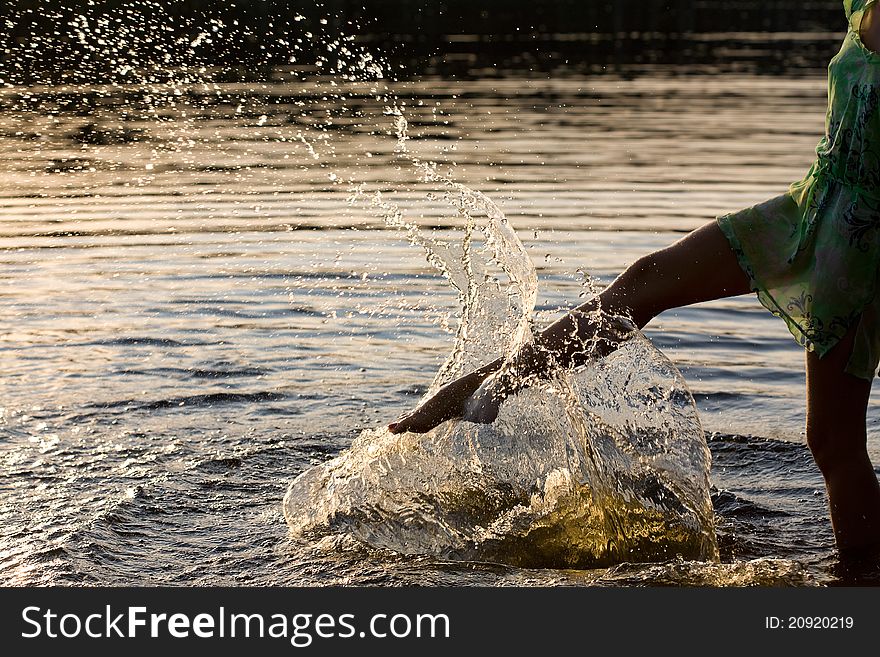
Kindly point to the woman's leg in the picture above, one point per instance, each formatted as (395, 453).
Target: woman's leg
(837, 404)
(699, 267)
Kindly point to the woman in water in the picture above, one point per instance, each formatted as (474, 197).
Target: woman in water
(812, 256)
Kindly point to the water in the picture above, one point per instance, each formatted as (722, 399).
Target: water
(195, 313)
(583, 468)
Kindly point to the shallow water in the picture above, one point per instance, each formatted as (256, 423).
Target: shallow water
(194, 312)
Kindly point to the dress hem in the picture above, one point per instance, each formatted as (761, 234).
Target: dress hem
(766, 299)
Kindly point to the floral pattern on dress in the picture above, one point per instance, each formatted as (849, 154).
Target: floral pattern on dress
(812, 254)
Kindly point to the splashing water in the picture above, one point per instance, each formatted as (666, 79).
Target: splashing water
(604, 464)
(596, 466)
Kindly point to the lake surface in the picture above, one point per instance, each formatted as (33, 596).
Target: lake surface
(195, 311)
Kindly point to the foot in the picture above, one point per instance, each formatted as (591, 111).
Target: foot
(446, 404)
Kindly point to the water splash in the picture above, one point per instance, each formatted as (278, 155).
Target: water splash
(489, 268)
(624, 480)
(600, 465)
(596, 466)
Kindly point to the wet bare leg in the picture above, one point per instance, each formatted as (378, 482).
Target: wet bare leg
(837, 404)
(699, 267)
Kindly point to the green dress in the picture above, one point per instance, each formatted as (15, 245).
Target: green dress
(812, 254)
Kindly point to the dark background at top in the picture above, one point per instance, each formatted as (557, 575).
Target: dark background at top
(535, 35)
